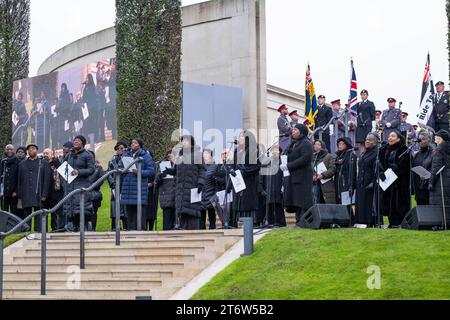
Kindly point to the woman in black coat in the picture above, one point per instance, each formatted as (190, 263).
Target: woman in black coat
(365, 182)
(396, 200)
(298, 185)
(189, 171)
(166, 189)
(209, 191)
(345, 177)
(245, 203)
(441, 158)
(422, 158)
(83, 166)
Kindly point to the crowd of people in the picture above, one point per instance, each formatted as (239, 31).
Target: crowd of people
(304, 169)
(87, 112)
(350, 160)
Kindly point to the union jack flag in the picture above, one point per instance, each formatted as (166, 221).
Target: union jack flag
(353, 98)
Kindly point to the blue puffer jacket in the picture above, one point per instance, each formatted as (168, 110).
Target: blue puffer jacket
(128, 194)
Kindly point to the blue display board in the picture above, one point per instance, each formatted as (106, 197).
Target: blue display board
(213, 114)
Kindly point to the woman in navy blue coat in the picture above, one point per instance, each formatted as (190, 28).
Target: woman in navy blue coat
(128, 194)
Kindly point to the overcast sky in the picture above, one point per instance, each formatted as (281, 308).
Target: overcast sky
(387, 39)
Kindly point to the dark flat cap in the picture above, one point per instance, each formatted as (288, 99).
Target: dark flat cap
(32, 145)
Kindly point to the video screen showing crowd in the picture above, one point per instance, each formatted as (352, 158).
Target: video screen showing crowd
(372, 164)
(51, 109)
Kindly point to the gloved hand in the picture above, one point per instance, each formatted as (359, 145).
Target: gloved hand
(382, 177)
(430, 187)
(233, 173)
(284, 167)
(199, 189)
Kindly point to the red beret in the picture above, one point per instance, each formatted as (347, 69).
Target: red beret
(282, 107)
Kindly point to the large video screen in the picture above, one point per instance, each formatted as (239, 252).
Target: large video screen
(51, 109)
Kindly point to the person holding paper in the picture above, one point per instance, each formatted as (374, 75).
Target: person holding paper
(189, 173)
(129, 191)
(91, 110)
(422, 158)
(245, 202)
(223, 183)
(83, 166)
(114, 164)
(324, 167)
(298, 185)
(396, 200)
(166, 189)
(441, 158)
(366, 182)
(345, 177)
(63, 112)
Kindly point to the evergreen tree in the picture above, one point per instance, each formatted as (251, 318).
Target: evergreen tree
(148, 38)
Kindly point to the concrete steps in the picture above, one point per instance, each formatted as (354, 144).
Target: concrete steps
(156, 264)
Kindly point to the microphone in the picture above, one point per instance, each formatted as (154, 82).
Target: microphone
(233, 142)
(284, 135)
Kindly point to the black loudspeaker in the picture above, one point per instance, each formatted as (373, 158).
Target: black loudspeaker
(323, 216)
(9, 221)
(426, 218)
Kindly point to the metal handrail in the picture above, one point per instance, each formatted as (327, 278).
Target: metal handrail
(45, 212)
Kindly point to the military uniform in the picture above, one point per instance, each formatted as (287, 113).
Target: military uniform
(392, 116)
(366, 115)
(441, 109)
(284, 131)
(324, 115)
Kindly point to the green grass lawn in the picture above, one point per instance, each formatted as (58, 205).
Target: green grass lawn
(332, 264)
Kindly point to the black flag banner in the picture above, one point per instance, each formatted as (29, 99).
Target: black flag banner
(426, 100)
